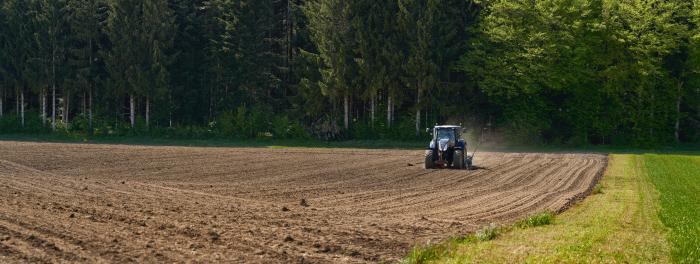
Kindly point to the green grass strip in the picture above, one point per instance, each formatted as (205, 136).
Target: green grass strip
(678, 180)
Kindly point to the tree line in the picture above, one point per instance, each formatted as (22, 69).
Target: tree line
(579, 72)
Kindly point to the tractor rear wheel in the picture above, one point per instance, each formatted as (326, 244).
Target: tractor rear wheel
(429, 160)
(458, 160)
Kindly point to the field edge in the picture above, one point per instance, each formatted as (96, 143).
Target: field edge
(515, 239)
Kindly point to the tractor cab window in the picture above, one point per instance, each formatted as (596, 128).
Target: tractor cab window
(446, 134)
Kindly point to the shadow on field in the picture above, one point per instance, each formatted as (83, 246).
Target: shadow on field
(475, 168)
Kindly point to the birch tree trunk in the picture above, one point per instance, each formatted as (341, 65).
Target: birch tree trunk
(418, 113)
(22, 106)
(131, 110)
(66, 108)
(90, 111)
(90, 91)
(170, 110)
(427, 116)
(678, 112)
(388, 111)
(211, 104)
(53, 85)
(53, 107)
(347, 111)
(2, 99)
(372, 107)
(43, 107)
(84, 113)
(148, 112)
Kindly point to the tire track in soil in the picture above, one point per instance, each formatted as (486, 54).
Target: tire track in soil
(85, 203)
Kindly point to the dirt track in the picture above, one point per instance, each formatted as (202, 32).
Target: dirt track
(106, 203)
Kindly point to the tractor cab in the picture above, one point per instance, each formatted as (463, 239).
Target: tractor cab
(447, 148)
(446, 137)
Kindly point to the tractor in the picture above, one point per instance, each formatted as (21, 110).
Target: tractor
(447, 148)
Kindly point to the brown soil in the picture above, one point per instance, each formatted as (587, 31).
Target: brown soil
(113, 203)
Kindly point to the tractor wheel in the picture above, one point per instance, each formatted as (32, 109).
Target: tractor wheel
(458, 160)
(429, 160)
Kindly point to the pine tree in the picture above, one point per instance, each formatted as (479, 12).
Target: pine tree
(309, 101)
(433, 30)
(3, 57)
(20, 48)
(56, 38)
(50, 30)
(258, 62)
(188, 102)
(87, 18)
(221, 23)
(157, 37)
(370, 30)
(123, 60)
(38, 73)
(281, 32)
(330, 26)
(392, 54)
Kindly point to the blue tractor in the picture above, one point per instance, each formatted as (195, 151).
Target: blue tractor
(447, 148)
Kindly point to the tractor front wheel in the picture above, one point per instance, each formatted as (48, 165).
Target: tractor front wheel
(458, 159)
(429, 160)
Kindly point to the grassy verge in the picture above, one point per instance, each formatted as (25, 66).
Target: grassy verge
(678, 180)
(431, 253)
(618, 224)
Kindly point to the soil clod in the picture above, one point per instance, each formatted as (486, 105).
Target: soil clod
(214, 235)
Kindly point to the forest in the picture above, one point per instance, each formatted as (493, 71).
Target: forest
(602, 72)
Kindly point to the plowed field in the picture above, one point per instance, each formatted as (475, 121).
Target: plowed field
(113, 203)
